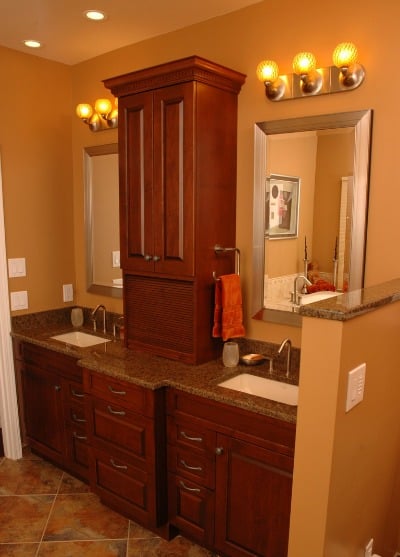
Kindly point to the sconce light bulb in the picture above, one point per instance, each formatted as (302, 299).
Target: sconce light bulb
(103, 106)
(267, 71)
(304, 63)
(344, 55)
(84, 111)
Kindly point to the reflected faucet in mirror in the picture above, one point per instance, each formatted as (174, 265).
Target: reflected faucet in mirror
(323, 162)
(296, 299)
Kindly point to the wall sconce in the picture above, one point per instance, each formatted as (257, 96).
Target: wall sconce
(308, 80)
(102, 117)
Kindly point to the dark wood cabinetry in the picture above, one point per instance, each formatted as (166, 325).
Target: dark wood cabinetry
(230, 476)
(177, 148)
(54, 412)
(127, 437)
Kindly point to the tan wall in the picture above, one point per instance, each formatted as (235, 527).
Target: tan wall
(335, 160)
(293, 155)
(345, 463)
(35, 148)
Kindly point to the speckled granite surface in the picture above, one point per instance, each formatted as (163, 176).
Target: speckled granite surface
(355, 303)
(154, 372)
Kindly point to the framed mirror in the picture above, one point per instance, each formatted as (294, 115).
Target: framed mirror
(328, 157)
(103, 271)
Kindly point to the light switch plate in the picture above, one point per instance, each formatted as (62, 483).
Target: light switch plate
(16, 267)
(116, 259)
(68, 293)
(355, 386)
(19, 300)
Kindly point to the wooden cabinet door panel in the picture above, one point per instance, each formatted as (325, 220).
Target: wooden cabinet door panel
(43, 410)
(173, 188)
(136, 182)
(253, 495)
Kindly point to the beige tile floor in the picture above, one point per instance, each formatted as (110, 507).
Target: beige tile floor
(45, 512)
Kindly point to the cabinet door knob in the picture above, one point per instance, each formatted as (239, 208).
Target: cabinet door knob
(156, 258)
(219, 451)
(148, 258)
(57, 388)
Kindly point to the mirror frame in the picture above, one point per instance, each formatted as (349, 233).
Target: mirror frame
(88, 153)
(361, 120)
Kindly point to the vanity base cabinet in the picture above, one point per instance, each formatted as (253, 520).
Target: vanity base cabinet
(54, 412)
(230, 476)
(127, 456)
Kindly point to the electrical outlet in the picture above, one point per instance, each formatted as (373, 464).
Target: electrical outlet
(369, 548)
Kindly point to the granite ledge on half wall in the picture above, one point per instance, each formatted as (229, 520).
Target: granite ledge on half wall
(353, 304)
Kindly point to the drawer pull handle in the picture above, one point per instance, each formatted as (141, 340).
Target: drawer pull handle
(78, 395)
(79, 420)
(198, 468)
(118, 466)
(80, 437)
(114, 392)
(196, 489)
(116, 412)
(186, 436)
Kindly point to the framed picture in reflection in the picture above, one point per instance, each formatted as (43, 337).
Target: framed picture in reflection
(282, 196)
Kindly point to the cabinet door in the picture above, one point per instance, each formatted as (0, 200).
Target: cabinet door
(136, 182)
(173, 196)
(43, 411)
(253, 495)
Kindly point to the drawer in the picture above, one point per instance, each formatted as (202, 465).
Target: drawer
(114, 427)
(191, 508)
(126, 488)
(75, 414)
(129, 395)
(51, 361)
(191, 433)
(192, 465)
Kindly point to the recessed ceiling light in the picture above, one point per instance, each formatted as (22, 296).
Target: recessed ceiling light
(95, 15)
(31, 43)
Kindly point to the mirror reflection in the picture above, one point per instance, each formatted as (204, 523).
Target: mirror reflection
(104, 275)
(310, 206)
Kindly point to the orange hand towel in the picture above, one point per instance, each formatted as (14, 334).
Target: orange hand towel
(228, 314)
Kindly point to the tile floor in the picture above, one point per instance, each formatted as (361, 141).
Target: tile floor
(45, 512)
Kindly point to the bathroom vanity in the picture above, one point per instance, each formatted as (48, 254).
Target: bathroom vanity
(161, 442)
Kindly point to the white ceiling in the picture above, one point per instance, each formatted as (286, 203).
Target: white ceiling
(70, 38)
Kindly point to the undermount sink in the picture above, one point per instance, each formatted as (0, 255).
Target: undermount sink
(78, 338)
(317, 296)
(261, 386)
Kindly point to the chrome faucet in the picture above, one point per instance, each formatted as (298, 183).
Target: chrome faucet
(287, 342)
(296, 299)
(94, 314)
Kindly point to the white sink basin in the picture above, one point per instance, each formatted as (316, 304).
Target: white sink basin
(317, 296)
(78, 338)
(261, 386)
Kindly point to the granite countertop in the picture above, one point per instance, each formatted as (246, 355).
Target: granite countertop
(150, 371)
(352, 304)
